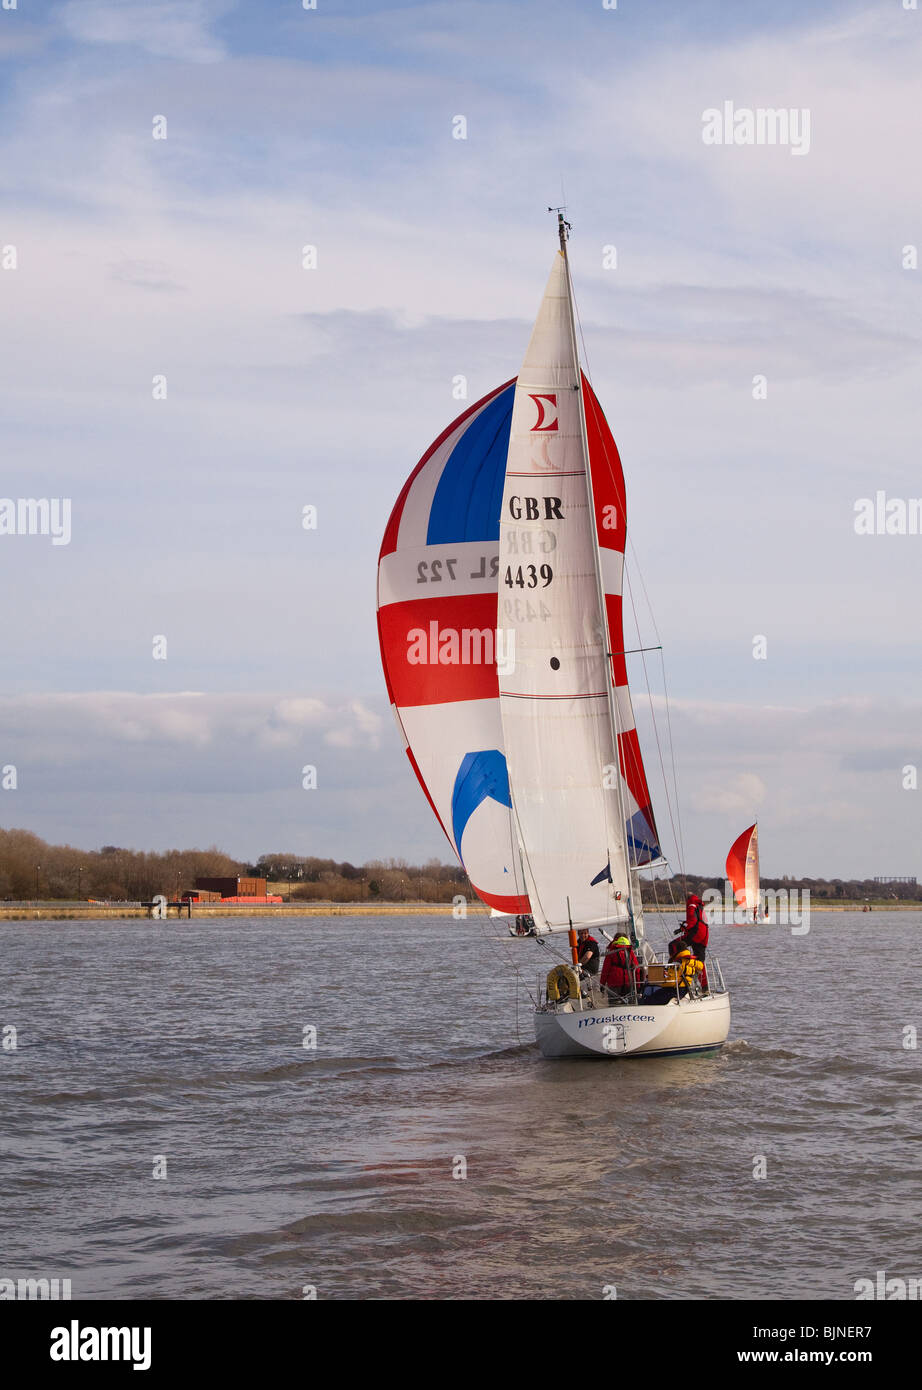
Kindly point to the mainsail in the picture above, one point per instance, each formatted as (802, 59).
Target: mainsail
(555, 701)
(517, 755)
(743, 868)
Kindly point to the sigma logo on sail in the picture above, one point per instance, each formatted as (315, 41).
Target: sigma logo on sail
(467, 646)
(547, 413)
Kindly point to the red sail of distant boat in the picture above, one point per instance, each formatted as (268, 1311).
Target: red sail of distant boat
(743, 868)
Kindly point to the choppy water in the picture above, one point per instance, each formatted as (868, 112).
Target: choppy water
(333, 1167)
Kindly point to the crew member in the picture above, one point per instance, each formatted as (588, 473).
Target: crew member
(587, 952)
(619, 968)
(689, 970)
(687, 974)
(694, 932)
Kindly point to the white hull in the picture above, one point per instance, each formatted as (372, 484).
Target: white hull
(643, 1030)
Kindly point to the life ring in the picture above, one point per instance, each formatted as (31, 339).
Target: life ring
(562, 984)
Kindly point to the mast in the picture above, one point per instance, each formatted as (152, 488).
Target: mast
(557, 729)
(563, 231)
(563, 228)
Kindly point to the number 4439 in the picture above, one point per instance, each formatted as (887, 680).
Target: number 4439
(527, 576)
(521, 610)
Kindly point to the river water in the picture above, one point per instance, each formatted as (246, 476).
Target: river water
(423, 1149)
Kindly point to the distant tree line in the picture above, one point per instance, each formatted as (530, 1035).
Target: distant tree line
(31, 868)
(388, 880)
(848, 890)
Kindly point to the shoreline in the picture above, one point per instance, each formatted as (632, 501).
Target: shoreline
(56, 912)
(65, 911)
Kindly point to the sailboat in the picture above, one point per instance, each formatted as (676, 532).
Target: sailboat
(743, 871)
(500, 626)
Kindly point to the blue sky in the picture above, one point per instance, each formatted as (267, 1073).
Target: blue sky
(182, 257)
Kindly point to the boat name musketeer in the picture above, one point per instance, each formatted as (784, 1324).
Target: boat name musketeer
(617, 1018)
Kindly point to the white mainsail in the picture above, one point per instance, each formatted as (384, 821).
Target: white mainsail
(556, 695)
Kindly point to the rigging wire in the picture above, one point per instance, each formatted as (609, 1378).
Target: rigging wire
(482, 917)
(674, 821)
(660, 910)
(680, 842)
(675, 780)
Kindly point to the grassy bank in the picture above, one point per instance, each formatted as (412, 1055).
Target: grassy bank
(64, 911)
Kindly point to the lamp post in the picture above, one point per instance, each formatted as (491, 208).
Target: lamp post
(37, 867)
(79, 876)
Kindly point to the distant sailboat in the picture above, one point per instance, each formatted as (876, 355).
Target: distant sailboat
(743, 871)
(500, 624)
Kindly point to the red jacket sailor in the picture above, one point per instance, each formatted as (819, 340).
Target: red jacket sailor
(694, 931)
(619, 966)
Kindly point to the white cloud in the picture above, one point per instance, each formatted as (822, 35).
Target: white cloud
(821, 810)
(742, 793)
(363, 726)
(301, 712)
(177, 29)
(115, 767)
(189, 718)
(118, 767)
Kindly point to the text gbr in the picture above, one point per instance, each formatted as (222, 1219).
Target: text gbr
(532, 511)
